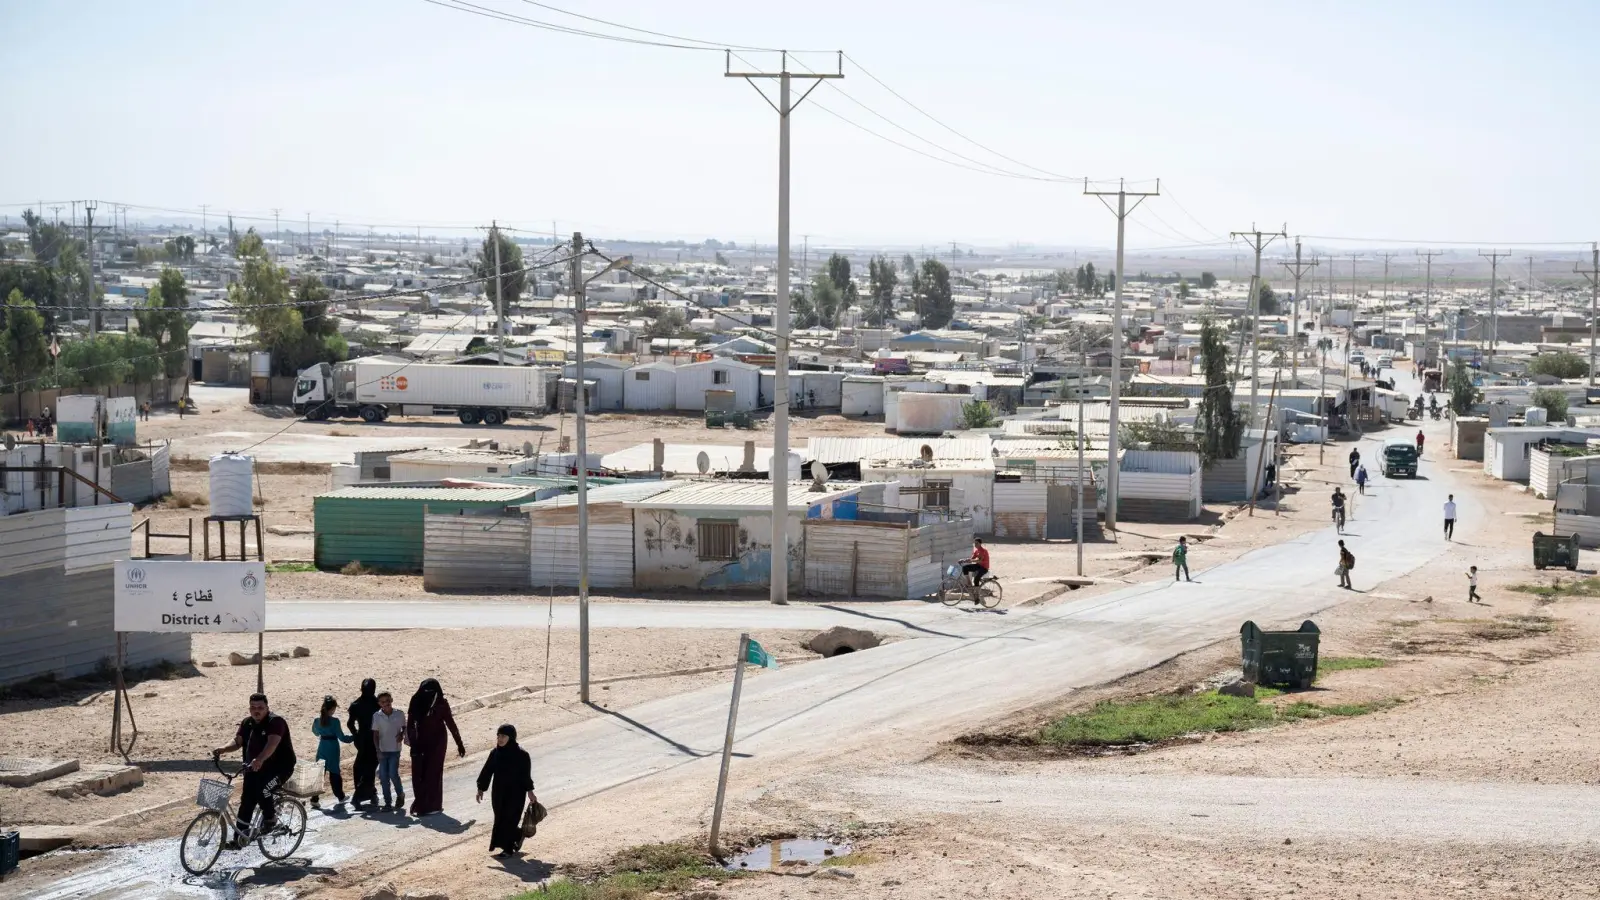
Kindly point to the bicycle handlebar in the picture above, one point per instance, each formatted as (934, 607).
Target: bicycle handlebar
(216, 760)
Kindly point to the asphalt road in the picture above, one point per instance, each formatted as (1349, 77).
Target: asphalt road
(977, 668)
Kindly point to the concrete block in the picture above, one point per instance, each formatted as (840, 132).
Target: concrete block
(97, 779)
(17, 771)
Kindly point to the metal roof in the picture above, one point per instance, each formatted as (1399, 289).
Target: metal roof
(682, 458)
(754, 496)
(627, 492)
(834, 450)
(471, 495)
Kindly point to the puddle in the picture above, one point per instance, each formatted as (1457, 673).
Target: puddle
(788, 852)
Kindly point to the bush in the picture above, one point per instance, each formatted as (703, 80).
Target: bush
(354, 567)
(1560, 364)
(1554, 402)
(977, 414)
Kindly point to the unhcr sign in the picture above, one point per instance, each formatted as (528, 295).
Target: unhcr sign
(166, 596)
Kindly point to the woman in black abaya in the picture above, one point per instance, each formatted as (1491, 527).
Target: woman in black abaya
(510, 770)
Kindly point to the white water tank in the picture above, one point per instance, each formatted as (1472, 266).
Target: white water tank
(1535, 415)
(231, 485)
(795, 463)
(344, 475)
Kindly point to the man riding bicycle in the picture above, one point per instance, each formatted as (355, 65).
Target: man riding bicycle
(1338, 509)
(974, 567)
(268, 758)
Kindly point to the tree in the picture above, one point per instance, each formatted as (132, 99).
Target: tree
(97, 362)
(931, 287)
(908, 264)
(1268, 299)
(665, 321)
(1111, 282)
(261, 298)
(882, 279)
(1087, 282)
(1463, 394)
(142, 357)
(1554, 402)
(1064, 281)
(977, 414)
(825, 303)
(721, 260)
(165, 321)
(43, 285)
(1219, 424)
(1183, 288)
(1560, 364)
(24, 350)
(512, 278)
(1207, 281)
(180, 248)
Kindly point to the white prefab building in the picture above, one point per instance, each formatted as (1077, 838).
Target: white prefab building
(608, 373)
(436, 465)
(861, 395)
(962, 487)
(694, 379)
(894, 386)
(919, 413)
(553, 536)
(650, 386)
(1507, 451)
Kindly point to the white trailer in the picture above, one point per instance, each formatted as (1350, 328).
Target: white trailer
(376, 389)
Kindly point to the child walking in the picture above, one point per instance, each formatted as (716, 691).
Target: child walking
(330, 732)
(1472, 586)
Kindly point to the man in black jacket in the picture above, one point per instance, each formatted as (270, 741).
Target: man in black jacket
(268, 759)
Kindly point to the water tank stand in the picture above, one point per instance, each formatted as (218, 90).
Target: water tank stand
(222, 538)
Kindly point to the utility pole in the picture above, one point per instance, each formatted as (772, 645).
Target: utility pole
(499, 301)
(277, 229)
(1594, 301)
(1427, 295)
(57, 211)
(1386, 258)
(1530, 284)
(780, 380)
(1297, 269)
(805, 264)
(89, 301)
(311, 249)
(203, 208)
(580, 403)
(1121, 212)
(1494, 258)
(1083, 372)
(1257, 242)
(1350, 330)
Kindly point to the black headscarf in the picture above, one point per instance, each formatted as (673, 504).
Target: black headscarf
(423, 700)
(510, 731)
(364, 708)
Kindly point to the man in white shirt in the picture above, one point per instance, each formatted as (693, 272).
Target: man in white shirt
(388, 733)
(1450, 517)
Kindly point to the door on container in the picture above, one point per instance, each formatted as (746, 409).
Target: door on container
(1059, 502)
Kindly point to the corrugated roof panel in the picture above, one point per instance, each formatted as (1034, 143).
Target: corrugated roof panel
(741, 494)
(627, 492)
(470, 495)
(834, 450)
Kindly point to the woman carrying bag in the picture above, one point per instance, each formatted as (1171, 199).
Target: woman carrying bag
(510, 770)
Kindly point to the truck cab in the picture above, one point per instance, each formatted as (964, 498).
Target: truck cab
(313, 391)
(1399, 458)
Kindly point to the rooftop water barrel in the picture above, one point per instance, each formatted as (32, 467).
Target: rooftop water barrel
(232, 485)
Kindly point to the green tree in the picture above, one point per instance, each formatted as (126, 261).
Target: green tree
(978, 414)
(908, 264)
(165, 320)
(665, 321)
(180, 248)
(512, 278)
(1087, 282)
(1207, 281)
(142, 356)
(882, 281)
(261, 298)
(1183, 288)
(97, 362)
(1463, 394)
(24, 348)
(47, 288)
(931, 288)
(825, 303)
(1554, 402)
(1219, 424)
(1560, 364)
(1269, 300)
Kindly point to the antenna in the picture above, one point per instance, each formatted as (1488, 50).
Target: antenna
(702, 462)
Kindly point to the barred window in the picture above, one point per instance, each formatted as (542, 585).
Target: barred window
(641, 376)
(936, 495)
(718, 539)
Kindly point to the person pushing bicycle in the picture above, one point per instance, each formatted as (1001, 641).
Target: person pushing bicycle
(269, 760)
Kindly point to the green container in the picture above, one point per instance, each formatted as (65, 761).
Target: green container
(1280, 657)
(10, 852)
(381, 527)
(1554, 550)
(719, 418)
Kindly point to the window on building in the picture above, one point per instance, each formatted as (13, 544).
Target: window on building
(936, 495)
(641, 376)
(719, 376)
(718, 539)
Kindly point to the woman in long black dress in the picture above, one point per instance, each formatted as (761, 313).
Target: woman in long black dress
(511, 771)
(427, 720)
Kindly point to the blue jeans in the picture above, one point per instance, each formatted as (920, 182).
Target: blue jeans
(389, 770)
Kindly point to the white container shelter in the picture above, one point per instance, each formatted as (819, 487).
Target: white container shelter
(695, 379)
(652, 385)
(610, 374)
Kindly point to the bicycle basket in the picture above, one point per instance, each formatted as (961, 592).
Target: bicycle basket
(213, 794)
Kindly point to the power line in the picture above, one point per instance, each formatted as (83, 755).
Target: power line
(485, 12)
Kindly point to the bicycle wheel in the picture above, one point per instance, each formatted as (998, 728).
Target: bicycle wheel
(202, 842)
(950, 593)
(290, 831)
(990, 594)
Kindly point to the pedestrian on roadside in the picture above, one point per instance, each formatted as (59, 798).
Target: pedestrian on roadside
(1347, 561)
(428, 719)
(1450, 518)
(183, 407)
(364, 773)
(1355, 460)
(144, 410)
(1180, 559)
(510, 772)
(1361, 479)
(388, 733)
(30, 426)
(1419, 443)
(330, 732)
(1472, 586)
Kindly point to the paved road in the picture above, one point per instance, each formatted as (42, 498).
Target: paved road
(981, 667)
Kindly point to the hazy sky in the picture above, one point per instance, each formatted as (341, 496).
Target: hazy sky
(1412, 121)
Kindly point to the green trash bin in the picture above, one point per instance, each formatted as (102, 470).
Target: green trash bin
(1280, 657)
(10, 852)
(1554, 550)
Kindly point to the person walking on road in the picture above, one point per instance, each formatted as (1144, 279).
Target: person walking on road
(1180, 559)
(388, 729)
(1450, 518)
(427, 720)
(1472, 586)
(508, 777)
(1361, 479)
(364, 774)
(1419, 443)
(1355, 461)
(1347, 561)
(330, 732)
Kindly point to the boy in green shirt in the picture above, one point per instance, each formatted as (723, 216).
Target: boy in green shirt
(1180, 559)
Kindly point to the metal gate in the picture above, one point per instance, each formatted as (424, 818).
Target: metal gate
(1059, 502)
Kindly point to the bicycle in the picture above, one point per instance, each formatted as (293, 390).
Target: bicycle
(208, 833)
(1338, 519)
(955, 587)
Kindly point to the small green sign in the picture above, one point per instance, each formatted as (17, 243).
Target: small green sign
(757, 655)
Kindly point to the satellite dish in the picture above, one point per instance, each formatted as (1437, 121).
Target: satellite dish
(527, 448)
(927, 453)
(702, 462)
(819, 472)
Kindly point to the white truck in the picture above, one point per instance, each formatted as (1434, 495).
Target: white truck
(375, 389)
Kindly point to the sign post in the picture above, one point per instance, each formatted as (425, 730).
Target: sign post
(749, 652)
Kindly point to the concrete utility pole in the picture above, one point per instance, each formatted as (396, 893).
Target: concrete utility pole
(1257, 241)
(1427, 294)
(580, 404)
(1297, 269)
(1350, 330)
(1083, 373)
(277, 229)
(1122, 212)
(499, 305)
(89, 301)
(1494, 258)
(1386, 258)
(780, 381)
(1594, 301)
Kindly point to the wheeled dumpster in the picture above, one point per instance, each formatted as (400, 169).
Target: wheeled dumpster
(1280, 657)
(1555, 550)
(10, 852)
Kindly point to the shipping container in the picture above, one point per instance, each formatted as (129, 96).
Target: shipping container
(376, 389)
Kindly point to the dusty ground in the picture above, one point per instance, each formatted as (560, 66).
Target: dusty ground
(189, 715)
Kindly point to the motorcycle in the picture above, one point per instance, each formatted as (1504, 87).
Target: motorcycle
(1435, 412)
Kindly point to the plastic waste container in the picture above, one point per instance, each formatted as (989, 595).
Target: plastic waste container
(1555, 550)
(10, 852)
(1280, 657)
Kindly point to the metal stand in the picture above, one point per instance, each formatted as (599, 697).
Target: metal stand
(222, 538)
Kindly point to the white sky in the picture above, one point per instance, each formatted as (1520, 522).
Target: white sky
(1412, 122)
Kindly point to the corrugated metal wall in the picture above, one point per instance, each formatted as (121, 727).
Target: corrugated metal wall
(930, 550)
(658, 391)
(1020, 509)
(553, 556)
(381, 533)
(133, 481)
(161, 470)
(1586, 527)
(1152, 496)
(856, 559)
(56, 594)
(1224, 480)
(474, 552)
(1163, 461)
(1539, 473)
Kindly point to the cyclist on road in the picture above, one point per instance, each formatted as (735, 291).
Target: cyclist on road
(268, 758)
(976, 566)
(1338, 510)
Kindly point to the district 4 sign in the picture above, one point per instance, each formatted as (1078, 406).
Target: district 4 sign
(167, 596)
